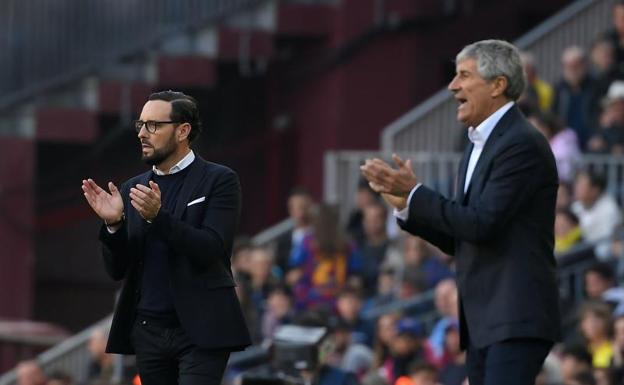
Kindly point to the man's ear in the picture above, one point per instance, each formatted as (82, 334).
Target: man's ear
(500, 84)
(183, 131)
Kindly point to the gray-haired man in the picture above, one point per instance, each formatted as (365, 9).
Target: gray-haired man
(500, 225)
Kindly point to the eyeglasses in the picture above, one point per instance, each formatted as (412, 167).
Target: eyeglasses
(150, 125)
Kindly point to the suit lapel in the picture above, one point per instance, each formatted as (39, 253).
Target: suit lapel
(489, 149)
(461, 177)
(188, 187)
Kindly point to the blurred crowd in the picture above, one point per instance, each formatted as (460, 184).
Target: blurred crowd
(343, 274)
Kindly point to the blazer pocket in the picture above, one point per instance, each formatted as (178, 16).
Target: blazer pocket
(198, 200)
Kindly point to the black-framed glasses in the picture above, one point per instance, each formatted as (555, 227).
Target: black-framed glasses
(151, 125)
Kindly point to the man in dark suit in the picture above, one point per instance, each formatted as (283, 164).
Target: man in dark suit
(500, 225)
(168, 234)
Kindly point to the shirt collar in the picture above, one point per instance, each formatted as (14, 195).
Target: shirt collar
(181, 165)
(481, 133)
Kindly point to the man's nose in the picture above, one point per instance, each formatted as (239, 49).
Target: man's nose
(143, 133)
(453, 86)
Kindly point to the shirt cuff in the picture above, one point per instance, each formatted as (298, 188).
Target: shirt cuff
(404, 214)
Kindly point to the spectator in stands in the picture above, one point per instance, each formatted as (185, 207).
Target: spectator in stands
(574, 360)
(563, 143)
(375, 244)
(538, 94)
(101, 363)
(618, 348)
(596, 328)
(405, 348)
(617, 251)
(419, 258)
(567, 231)
(323, 263)
(564, 196)
(261, 280)
(386, 288)
(412, 283)
(385, 333)
(279, 310)
(419, 373)
(616, 34)
(325, 373)
(347, 354)
(597, 211)
(349, 307)
(599, 278)
(300, 204)
(610, 135)
(575, 95)
(30, 373)
(453, 365)
(447, 306)
(603, 66)
(602, 376)
(241, 256)
(364, 197)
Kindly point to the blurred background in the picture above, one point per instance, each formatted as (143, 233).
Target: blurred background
(294, 95)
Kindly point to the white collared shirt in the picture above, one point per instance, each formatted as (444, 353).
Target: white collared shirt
(181, 165)
(478, 136)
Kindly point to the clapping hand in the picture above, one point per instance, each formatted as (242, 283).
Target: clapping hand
(108, 206)
(146, 200)
(394, 185)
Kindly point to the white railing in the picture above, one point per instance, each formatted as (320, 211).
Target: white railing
(432, 126)
(435, 169)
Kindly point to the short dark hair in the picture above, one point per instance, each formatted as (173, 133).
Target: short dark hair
(183, 110)
(604, 270)
(596, 179)
(579, 353)
(299, 191)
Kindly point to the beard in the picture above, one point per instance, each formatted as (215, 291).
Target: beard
(161, 154)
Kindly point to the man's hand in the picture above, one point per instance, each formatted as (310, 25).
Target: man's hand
(385, 180)
(146, 200)
(108, 206)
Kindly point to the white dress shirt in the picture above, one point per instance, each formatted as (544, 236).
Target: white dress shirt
(181, 165)
(478, 136)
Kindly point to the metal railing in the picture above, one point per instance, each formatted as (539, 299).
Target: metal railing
(48, 43)
(432, 125)
(71, 355)
(342, 173)
(437, 170)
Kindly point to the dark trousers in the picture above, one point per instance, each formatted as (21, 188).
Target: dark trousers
(166, 356)
(511, 362)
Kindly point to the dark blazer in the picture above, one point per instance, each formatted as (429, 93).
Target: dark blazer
(200, 237)
(502, 235)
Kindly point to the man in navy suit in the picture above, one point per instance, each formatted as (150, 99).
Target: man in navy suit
(500, 224)
(168, 234)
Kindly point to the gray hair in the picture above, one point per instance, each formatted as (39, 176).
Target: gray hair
(497, 58)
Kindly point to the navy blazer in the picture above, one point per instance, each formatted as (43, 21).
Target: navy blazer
(200, 237)
(501, 232)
